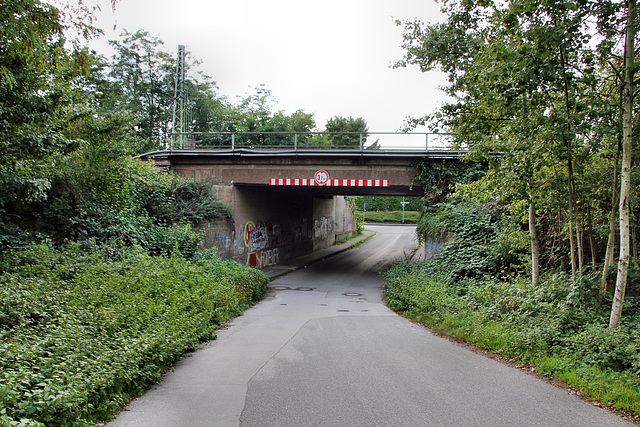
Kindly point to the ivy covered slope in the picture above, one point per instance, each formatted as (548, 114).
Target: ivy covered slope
(475, 290)
(82, 331)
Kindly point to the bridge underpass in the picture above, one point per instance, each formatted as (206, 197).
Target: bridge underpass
(288, 203)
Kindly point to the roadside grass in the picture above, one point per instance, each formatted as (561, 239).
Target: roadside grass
(616, 390)
(361, 229)
(84, 331)
(410, 217)
(363, 241)
(554, 329)
(347, 239)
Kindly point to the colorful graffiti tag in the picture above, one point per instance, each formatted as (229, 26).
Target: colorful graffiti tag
(256, 240)
(256, 236)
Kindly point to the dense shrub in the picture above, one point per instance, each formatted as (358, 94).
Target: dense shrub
(100, 194)
(81, 331)
(471, 252)
(173, 199)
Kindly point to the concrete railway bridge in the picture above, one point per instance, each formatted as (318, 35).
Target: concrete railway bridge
(289, 201)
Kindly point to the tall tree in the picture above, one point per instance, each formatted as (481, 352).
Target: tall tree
(349, 131)
(630, 70)
(139, 81)
(38, 96)
(142, 76)
(298, 122)
(523, 82)
(208, 111)
(255, 114)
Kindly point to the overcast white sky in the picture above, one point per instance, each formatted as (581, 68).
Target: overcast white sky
(328, 57)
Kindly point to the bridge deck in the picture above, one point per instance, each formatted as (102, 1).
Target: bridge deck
(303, 152)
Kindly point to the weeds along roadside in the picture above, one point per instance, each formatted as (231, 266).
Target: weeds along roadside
(471, 292)
(83, 331)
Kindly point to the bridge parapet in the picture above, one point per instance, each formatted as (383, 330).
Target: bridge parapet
(283, 152)
(401, 141)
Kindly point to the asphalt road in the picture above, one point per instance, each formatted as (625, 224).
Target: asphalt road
(323, 350)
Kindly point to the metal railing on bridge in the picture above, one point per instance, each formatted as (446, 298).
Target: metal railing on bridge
(387, 141)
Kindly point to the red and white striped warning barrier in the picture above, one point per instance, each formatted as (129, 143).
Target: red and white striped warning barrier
(331, 182)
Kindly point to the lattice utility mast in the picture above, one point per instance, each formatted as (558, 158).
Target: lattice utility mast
(179, 101)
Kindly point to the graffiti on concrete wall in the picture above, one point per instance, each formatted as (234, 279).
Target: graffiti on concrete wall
(256, 236)
(269, 257)
(264, 258)
(322, 228)
(259, 243)
(219, 234)
(258, 239)
(262, 242)
(431, 248)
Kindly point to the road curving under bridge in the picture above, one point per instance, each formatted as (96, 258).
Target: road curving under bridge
(323, 349)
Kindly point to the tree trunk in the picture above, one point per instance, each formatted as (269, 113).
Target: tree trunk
(535, 247)
(571, 184)
(634, 239)
(580, 246)
(611, 242)
(592, 243)
(625, 174)
(572, 218)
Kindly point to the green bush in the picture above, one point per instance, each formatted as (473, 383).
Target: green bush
(83, 331)
(173, 238)
(99, 194)
(555, 325)
(597, 345)
(470, 254)
(431, 227)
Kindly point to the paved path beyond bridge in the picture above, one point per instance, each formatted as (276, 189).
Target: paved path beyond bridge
(323, 350)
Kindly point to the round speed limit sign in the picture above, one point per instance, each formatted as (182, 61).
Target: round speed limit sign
(321, 178)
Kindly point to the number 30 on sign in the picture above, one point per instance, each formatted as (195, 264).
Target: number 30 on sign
(321, 178)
